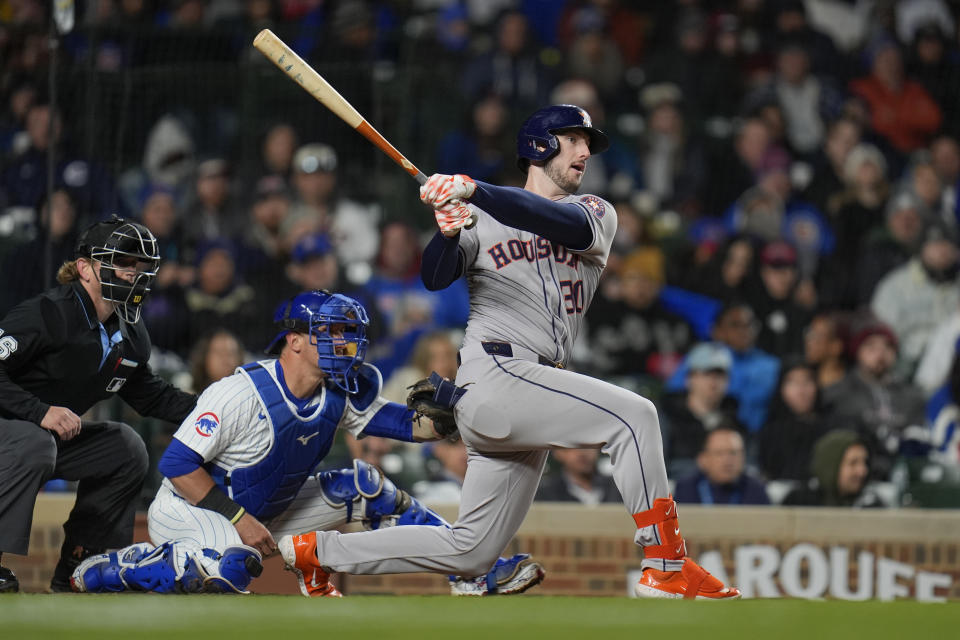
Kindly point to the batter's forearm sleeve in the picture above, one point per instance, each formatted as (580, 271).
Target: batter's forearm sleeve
(442, 262)
(563, 223)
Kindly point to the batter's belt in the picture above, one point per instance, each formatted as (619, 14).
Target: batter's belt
(504, 349)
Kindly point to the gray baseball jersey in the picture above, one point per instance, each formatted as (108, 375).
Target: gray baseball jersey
(532, 294)
(528, 291)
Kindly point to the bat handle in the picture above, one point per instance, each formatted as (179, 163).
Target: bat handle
(422, 179)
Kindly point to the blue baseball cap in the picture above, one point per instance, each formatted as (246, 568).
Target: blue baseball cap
(311, 246)
(709, 356)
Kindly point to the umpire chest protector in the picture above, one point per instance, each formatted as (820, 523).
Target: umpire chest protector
(268, 487)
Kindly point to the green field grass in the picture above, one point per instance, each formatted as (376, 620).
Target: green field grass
(82, 617)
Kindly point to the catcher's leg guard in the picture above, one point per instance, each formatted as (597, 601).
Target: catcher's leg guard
(508, 576)
(371, 497)
(362, 486)
(238, 566)
(411, 511)
(157, 570)
(104, 572)
(71, 555)
(209, 571)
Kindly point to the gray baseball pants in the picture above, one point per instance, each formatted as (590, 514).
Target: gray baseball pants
(514, 411)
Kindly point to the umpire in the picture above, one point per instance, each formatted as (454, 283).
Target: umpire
(61, 352)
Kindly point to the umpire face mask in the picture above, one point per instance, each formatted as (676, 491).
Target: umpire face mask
(129, 260)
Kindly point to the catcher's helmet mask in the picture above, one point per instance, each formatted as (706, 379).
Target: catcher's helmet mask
(315, 313)
(537, 138)
(127, 246)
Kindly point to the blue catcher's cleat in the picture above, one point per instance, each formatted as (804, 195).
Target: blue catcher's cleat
(508, 576)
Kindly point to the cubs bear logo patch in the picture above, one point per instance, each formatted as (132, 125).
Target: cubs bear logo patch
(594, 205)
(206, 424)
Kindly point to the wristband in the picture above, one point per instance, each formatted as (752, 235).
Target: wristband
(217, 500)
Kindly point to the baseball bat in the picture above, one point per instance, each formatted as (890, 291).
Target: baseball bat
(277, 51)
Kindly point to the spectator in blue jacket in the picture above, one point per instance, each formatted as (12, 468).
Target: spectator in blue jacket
(753, 377)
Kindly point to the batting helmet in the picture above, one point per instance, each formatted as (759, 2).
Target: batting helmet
(339, 354)
(125, 246)
(537, 138)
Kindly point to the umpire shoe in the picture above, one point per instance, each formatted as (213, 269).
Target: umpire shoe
(8, 581)
(300, 555)
(691, 582)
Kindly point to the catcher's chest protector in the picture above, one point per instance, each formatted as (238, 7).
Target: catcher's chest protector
(268, 487)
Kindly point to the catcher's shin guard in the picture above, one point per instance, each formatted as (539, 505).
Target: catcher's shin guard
(104, 572)
(239, 565)
(209, 571)
(663, 517)
(71, 555)
(363, 491)
(411, 511)
(157, 569)
(371, 497)
(173, 567)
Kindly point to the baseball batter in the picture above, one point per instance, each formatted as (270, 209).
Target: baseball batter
(533, 263)
(239, 472)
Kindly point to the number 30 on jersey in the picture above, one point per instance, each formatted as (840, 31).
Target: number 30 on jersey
(572, 296)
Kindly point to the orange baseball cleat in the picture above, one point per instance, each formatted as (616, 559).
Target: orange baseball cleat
(691, 582)
(300, 555)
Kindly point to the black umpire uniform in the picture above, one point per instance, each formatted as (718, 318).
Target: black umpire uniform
(54, 352)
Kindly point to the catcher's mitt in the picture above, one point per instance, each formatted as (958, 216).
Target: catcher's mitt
(435, 397)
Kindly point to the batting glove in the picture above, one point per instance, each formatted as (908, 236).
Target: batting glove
(452, 217)
(439, 189)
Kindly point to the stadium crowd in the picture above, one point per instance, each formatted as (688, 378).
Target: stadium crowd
(785, 281)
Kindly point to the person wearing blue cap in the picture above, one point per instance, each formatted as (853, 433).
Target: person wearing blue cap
(689, 415)
(313, 263)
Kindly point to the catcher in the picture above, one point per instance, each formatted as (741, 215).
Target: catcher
(241, 469)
